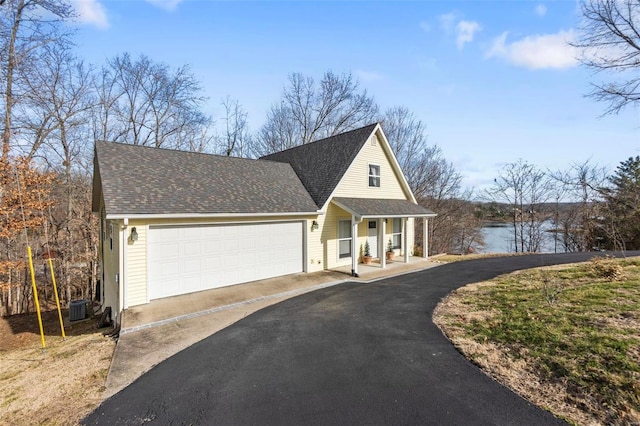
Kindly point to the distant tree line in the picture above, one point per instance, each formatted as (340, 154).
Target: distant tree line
(587, 208)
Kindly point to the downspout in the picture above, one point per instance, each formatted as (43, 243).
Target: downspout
(122, 269)
(354, 236)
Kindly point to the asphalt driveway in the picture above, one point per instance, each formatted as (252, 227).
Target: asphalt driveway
(349, 354)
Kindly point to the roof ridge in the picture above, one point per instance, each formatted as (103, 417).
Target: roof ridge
(182, 151)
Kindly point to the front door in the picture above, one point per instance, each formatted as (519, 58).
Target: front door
(373, 237)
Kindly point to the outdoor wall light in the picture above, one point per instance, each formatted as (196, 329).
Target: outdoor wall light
(314, 225)
(134, 234)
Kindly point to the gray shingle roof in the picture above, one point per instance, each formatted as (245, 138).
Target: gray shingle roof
(321, 164)
(144, 180)
(381, 207)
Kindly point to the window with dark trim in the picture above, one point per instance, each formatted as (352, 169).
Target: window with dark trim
(344, 238)
(374, 175)
(396, 233)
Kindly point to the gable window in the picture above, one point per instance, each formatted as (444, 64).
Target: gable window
(374, 175)
(344, 238)
(396, 233)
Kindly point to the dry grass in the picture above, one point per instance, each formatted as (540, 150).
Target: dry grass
(577, 355)
(58, 386)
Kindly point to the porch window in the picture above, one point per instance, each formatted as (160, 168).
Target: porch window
(344, 238)
(396, 233)
(374, 175)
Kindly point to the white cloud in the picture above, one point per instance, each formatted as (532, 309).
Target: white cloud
(546, 51)
(91, 12)
(541, 9)
(466, 31)
(368, 76)
(168, 5)
(447, 20)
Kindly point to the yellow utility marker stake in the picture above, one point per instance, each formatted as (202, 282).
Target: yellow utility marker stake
(35, 297)
(55, 291)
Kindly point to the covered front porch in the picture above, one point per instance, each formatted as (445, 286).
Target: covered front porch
(386, 223)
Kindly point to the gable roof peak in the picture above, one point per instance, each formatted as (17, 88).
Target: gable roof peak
(321, 164)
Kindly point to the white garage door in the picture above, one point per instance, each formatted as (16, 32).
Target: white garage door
(184, 259)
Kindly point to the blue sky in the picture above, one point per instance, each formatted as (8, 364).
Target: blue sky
(494, 81)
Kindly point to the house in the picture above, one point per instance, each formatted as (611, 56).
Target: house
(175, 222)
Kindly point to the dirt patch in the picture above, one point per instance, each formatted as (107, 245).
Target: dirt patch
(59, 385)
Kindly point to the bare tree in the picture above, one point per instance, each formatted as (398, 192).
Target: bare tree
(56, 113)
(610, 42)
(60, 101)
(435, 182)
(234, 139)
(408, 140)
(147, 103)
(308, 111)
(526, 189)
(578, 222)
(26, 26)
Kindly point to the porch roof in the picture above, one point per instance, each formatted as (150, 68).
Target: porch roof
(375, 207)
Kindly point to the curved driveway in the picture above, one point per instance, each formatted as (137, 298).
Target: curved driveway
(350, 354)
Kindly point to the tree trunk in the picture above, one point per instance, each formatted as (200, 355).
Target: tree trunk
(8, 96)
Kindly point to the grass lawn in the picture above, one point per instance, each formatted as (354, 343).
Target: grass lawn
(567, 337)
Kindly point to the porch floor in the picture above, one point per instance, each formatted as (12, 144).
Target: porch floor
(393, 267)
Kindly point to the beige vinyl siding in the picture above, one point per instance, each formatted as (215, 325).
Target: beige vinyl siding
(330, 236)
(355, 182)
(315, 249)
(136, 265)
(410, 231)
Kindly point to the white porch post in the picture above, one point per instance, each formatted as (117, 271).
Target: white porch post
(354, 243)
(381, 244)
(405, 237)
(425, 238)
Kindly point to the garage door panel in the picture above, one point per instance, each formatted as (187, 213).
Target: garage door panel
(184, 259)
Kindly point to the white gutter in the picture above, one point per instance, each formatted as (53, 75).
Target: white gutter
(208, 215)
(396, 216)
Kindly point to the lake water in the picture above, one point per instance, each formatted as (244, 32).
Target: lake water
(498, 238)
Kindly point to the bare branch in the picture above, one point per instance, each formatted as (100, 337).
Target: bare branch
(610, 42)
